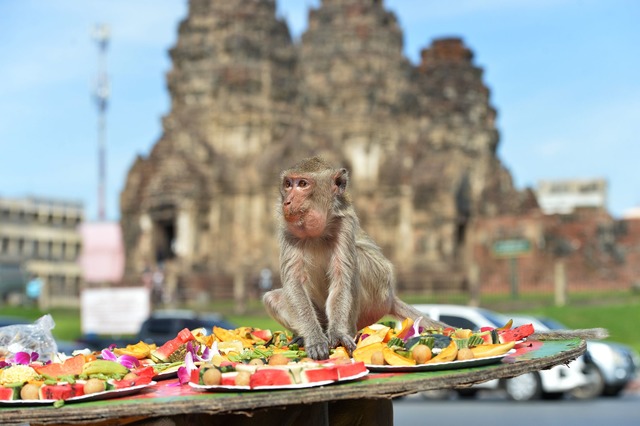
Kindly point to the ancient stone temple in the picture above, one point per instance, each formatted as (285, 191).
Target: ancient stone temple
(420, 142)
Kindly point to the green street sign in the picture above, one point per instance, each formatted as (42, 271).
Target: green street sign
(511, 248)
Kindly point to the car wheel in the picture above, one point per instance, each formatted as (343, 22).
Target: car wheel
(613, 390)
(467, 393)
(525, 387)
(594, 386)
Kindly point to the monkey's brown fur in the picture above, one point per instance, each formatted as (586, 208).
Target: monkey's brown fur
(335, 279)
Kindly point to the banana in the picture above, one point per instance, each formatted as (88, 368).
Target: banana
(103, 366)
(483, 351)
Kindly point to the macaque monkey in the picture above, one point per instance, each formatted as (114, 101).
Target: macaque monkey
(335, 279)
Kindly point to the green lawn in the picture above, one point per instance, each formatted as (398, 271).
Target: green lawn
(619, 313)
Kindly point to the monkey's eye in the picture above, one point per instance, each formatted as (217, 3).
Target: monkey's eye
(287, 183)
(303, 183)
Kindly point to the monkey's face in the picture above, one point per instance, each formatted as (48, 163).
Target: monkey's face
(303, 218)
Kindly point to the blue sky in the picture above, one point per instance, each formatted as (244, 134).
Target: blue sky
(563, 76)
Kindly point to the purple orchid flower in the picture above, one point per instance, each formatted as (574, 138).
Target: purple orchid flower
(415, 329)
(184, 372)
(24, 358)
(126, 360)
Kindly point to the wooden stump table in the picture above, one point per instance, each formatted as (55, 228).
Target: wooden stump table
(366, 401)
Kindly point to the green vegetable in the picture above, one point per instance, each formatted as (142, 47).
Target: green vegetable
(475, 340)
(395, 342)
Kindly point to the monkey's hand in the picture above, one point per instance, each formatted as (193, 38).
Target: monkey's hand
(297, 340)
(317, 348)
(342, 339)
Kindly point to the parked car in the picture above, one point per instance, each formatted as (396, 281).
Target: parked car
(612, 365)
(160, 327)
(552, 383)
(163, 326)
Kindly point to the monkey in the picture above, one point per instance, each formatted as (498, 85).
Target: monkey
(335, 279)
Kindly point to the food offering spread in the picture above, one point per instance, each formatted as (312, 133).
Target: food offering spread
(412, 348)
(246, 359)
(243, 359)
(79, 377)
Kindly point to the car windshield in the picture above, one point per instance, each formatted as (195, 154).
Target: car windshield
(552, 324)
(496, 319)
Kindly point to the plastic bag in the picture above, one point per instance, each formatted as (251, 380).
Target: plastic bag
(29, 338)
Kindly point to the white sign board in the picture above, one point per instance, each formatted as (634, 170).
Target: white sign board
(115, 311)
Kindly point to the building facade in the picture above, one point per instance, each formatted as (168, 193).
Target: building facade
(39, 238)
(567, 195)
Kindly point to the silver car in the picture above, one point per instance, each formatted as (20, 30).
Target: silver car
(552, 383)
(611, 365)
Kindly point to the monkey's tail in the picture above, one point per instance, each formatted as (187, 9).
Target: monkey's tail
(402, 310)
(584, 333)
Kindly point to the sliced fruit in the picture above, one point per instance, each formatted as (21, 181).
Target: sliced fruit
(164, 352)
(70, 367)
(516, 333)
(350, 369)
(447, 354)
(261, 337)
(9, 393)
(140, 350)
(104, 366)
(270, 377)
(364, 353)
(376, 329)
(225, 335)
(483, 351)
(393, 358)
(320, 374)
(407, 327)
(61, 391)
(340, 352)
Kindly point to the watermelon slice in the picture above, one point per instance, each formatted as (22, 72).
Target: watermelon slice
(195, 376)
(515, 334)
(164, 352)
(9, 393)
(229, 379)
(320, 374)
(270, 377)
(143, 375)
(61, 391)
(70, 367)
(261, 337)
(350, 369)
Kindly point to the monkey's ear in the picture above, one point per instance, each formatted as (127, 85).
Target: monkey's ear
(340, 180)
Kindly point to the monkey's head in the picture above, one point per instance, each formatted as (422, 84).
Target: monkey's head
(312, 193)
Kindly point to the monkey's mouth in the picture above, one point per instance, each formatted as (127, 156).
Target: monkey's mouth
(296, 218)
(293, 215)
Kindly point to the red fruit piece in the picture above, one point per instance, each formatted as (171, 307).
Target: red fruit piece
(516, 333)
(270, 377)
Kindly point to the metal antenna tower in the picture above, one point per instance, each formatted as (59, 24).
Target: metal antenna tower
(101, 35)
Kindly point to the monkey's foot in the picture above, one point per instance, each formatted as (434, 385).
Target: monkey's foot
(317, 349)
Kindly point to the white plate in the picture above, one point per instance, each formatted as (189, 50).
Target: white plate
(354, 377)
(247, 388)
(275, 387)
(115, 393)
(476, 362)
(166, 374)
